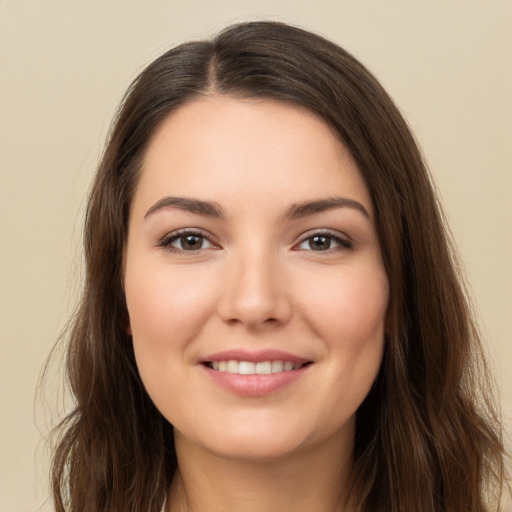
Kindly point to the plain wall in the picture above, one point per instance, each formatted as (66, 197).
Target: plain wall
(63, 69)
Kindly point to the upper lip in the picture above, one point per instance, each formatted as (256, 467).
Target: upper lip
(256, 356)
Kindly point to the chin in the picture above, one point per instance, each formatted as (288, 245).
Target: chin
(269, 442)
(255, 449)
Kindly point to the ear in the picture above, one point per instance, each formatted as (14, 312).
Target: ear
(129, 330)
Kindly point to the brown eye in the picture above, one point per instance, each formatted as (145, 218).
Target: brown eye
(186, 242)
(323, 242)
(319, 243)
(190, 242)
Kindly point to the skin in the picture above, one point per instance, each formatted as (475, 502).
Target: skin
(253, 281)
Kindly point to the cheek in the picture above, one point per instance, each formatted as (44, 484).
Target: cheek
(349, 309)
(166, 309)
(348, 313)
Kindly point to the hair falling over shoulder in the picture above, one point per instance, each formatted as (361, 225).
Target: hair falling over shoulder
(428, 436)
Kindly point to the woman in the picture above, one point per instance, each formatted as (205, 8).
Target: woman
(272, 318)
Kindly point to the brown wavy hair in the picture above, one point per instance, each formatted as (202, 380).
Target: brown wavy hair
(428, 437)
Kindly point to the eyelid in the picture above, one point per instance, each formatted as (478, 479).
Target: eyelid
(343, 241)
(165, 241)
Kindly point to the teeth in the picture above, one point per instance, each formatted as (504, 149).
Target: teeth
(250, 368)
(263, 368)
(277, 366)
(246, 368)
(232, 366)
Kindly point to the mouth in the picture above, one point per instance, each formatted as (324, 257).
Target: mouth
(255, 374)
(255, 368)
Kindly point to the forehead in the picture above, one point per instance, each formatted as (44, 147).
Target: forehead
(248, 149)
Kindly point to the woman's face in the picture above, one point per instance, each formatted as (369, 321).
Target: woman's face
(254, 281)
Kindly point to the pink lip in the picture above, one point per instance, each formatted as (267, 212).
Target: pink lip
(254, 385)
(254, 356)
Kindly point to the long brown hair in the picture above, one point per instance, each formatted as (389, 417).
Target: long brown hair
(428, 438)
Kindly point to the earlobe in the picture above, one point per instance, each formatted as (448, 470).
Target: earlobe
(129, 330)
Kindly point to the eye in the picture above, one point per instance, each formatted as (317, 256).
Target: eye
(186, 241)
(322, 242)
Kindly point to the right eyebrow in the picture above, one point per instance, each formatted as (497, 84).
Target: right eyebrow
(197, 206)
(299, 210)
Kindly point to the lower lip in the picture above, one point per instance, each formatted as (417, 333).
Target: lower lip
(255, 385)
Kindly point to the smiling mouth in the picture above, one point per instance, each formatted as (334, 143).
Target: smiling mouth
(251, 368)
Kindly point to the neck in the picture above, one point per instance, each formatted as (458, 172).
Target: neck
(312, 481)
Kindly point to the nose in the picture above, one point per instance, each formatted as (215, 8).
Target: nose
(255, 292)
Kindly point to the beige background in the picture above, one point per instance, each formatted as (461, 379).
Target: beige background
(63, 68)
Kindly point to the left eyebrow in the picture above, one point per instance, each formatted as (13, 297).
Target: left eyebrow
(188, 204)
(303, 209)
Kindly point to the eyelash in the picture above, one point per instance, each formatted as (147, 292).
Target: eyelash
(343, 243)
(166, 242)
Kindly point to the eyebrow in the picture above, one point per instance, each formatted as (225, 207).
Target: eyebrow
(303, 209)
(295, 211)
(197, 206)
